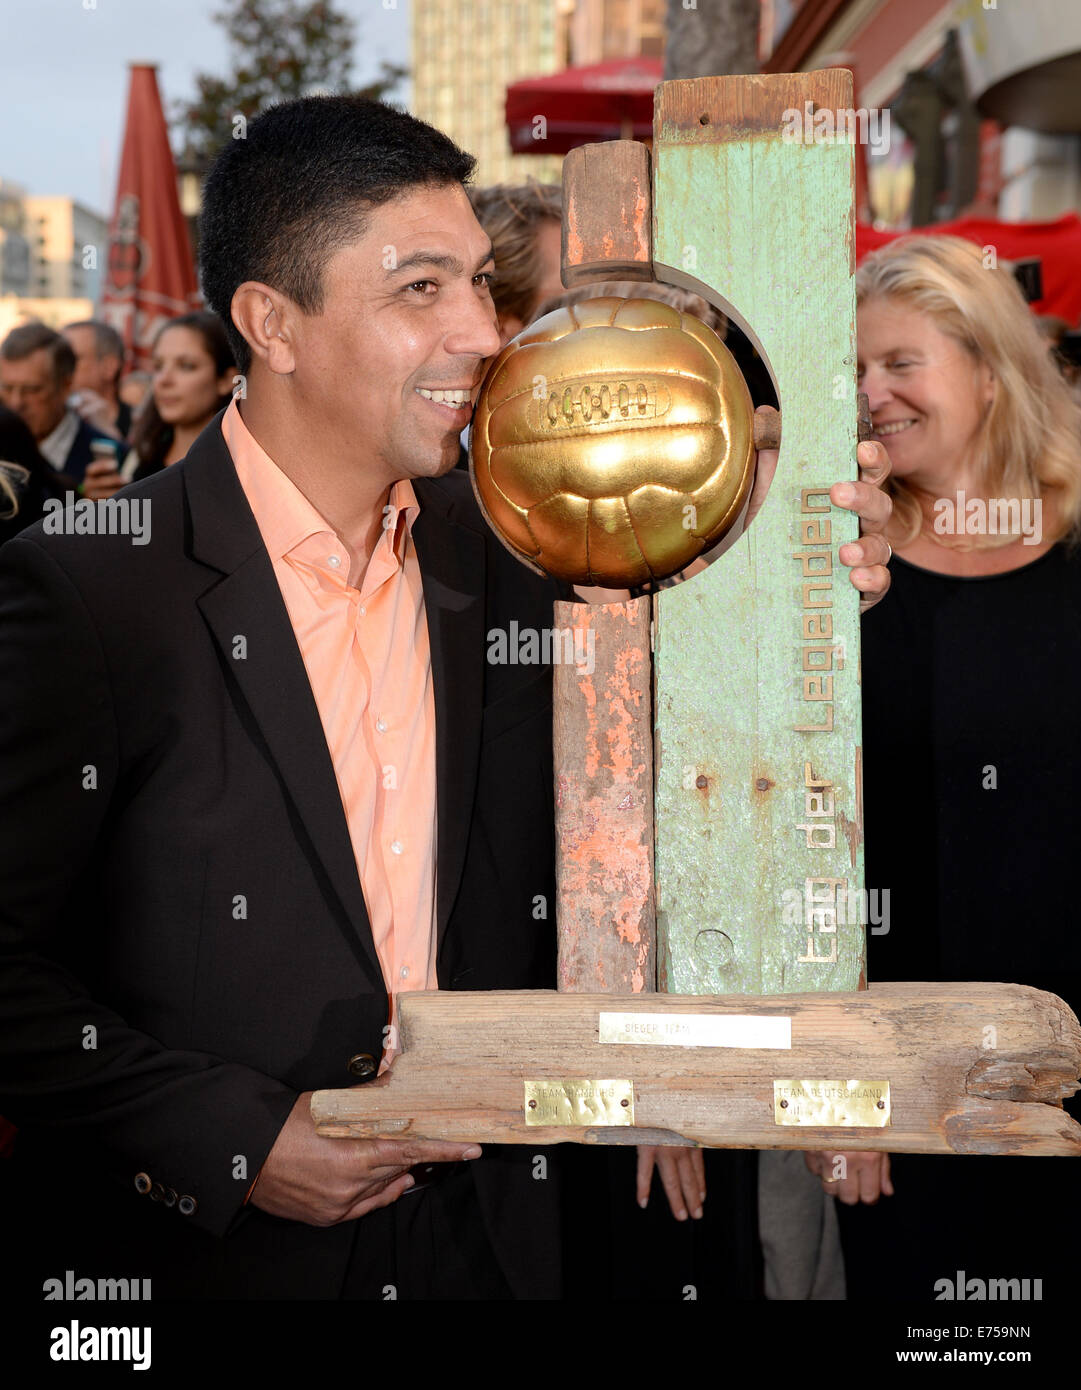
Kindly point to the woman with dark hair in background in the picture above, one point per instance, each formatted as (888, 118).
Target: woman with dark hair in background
(193, 373)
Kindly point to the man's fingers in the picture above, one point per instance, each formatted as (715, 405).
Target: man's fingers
(874, 583)
(404, 1153)
(393, 1190)
(693, 1169)
(865, 1176)
(684, 1179)
(871, 504)
(871, 549)
(673, 1187)
(874, 462)
(765, 468)
(644, 1175)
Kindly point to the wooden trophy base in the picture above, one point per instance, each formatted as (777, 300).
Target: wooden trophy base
(904, 1068)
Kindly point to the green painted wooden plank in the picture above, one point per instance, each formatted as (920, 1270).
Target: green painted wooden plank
(759, 859)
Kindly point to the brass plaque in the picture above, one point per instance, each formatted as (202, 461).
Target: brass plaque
(848, 1104)
(696, 1030)
(579, 1102)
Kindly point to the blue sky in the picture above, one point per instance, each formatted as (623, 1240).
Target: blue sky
(64, 82)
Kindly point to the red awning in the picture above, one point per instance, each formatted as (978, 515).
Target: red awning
(1058, 245)
(605, 101)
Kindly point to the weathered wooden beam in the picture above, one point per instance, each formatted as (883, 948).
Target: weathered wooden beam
(607, 213)
(758, 814)
(603, 754)
(970, 1068)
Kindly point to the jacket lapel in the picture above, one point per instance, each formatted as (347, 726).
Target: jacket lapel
(452, 564)
(247, 616)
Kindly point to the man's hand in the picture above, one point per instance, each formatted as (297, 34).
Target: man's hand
(683, 1174)
(323, 1181)
(870, 503)
(101, 479)
(861, 1177)
(96, 411)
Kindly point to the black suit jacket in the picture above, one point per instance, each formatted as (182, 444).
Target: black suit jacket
(185, 943)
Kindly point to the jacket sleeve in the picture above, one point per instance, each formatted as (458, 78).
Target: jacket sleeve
(69, 1064)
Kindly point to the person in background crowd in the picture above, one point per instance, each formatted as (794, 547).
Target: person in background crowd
(1062, 342)
(37, 367)
(971, 751)
(192, 381)
(99, 361)
(26, 480)
(524, 224)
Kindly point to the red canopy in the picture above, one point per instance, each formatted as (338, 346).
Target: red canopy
(605, 101)
(150, 276)
(1058, 245)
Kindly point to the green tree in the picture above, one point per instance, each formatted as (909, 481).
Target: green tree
(279, 49)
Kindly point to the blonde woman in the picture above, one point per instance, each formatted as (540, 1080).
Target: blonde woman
(972, 744)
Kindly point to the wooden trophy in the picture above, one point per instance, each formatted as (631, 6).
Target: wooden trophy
(708, 782)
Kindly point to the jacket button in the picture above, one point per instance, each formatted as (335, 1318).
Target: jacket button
(186, 1206)
(170, 1197)
(142, 1183)
(362, 1065)
(157, 1192)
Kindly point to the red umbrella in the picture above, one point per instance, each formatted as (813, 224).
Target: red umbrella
(605, 101)
(150, 276)
(1058, 245)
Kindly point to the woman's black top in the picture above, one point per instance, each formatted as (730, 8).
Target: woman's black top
(972, 766)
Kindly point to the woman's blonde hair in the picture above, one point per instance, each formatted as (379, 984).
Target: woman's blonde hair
(1030, 440)
(13, 476)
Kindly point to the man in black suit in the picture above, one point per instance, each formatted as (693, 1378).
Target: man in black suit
(187, 951)
(37, 367)
(187, 948)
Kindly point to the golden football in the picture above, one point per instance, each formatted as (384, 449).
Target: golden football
(613, 442)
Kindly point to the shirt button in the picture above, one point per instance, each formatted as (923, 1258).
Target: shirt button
(381, 725)
(396, 847)
(334, 561)
(363, 610)
(404, 972)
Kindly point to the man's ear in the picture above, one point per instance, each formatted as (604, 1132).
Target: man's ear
(264, 317)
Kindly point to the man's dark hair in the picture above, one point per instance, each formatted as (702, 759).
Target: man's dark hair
(29, 338)
(279, 203)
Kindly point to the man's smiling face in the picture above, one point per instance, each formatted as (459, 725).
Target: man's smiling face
(396, 358)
